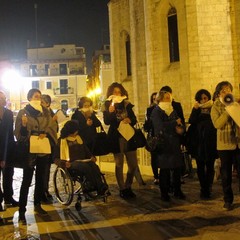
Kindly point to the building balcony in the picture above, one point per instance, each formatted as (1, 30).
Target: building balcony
(51, 72)
(63, 91)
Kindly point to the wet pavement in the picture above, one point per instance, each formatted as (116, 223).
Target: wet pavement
(145, 217)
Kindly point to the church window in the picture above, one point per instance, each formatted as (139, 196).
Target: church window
(128, 56)
(173, 35)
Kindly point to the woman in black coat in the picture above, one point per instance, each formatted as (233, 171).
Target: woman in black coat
(166, 121)
(88, 122)
(118, 109)
(204, 138)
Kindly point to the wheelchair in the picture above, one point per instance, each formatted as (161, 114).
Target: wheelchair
(68, 183)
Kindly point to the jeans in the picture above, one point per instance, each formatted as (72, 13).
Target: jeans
(227, 158)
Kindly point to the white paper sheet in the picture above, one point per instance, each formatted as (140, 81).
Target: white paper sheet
(38, 145)
(60, 116)
(126, 130)
(234, 112)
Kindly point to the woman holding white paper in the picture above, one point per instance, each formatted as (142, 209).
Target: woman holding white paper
(228, 140)
(117, 111)
(34, 120)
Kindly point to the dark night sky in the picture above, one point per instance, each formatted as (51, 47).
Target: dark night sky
(80, 22)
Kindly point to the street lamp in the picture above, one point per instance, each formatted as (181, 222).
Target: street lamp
(12, 83)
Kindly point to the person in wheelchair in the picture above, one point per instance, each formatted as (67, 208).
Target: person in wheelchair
(72, 153)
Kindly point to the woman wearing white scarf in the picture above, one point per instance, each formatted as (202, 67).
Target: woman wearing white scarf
(203, 140)
(34, 120)
(117, 109)
(166, 121)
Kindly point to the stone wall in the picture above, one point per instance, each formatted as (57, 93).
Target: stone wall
(209, 45)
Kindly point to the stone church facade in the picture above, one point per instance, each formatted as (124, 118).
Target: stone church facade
(186, 44)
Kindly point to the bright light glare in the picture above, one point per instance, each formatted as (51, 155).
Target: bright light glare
(94, 92)
(98, 91)
(90, 94)
(11, 80)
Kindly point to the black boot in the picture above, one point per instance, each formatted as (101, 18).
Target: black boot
(11, 202)
(22, 218)
(127, 193)
(38, 209)
(179, 195)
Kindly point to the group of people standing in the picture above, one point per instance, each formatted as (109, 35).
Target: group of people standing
(76, 142)
(212, 134)
(37, 119)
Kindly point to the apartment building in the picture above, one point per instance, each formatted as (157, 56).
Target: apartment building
(59, 71)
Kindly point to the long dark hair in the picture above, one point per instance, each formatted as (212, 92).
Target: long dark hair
(116, 85)
(152, 98)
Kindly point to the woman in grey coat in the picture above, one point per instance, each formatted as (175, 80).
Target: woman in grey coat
(34, 120)
(165, 120)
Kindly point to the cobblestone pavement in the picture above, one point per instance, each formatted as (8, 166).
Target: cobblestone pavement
(145, 217)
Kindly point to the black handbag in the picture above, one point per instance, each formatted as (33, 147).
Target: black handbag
(139, 137)
(151, 142)
(20, 154)
(155, 143)
(101, 144)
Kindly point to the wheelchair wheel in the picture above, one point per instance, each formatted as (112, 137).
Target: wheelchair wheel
(63, 186)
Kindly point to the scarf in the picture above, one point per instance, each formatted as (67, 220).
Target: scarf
(230, 132)
(64, 148)
(207, 104)
(116, 99)
(87, 112)
(206, 107)
(90, 109)
(36, 104)
(166, 107)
